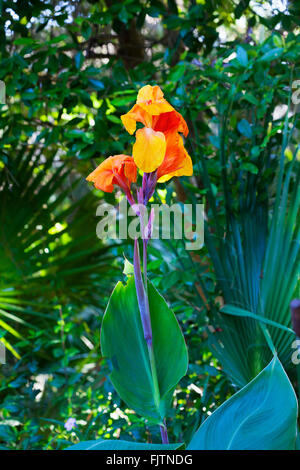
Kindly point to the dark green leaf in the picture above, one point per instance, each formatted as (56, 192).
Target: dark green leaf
(272, 55)
(123, 343)
(261, 416)
(242, 56)
(245, 128)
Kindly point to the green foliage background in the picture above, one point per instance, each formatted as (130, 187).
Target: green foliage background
(71, 69)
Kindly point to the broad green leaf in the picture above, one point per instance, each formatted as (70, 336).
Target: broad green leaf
(177, 72)
(114, 119)
(122, 341)
(79, 59)
(24, 41)
(250, 98)
(278, 42)
(261, 416)
(122, 101)
(242, 56)
(56, 39)
(245, 128)
(247, 166)
(97, 84)
(108, 444)
(272, 54)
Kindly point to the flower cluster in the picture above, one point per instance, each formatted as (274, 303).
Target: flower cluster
(158, 150)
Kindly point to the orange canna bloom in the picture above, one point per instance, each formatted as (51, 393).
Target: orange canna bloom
(158, 147)
(159, 139)
(118, 170)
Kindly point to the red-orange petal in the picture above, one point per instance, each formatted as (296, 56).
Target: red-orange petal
(115, 170)
(172, 121)
(177, 161)
(130, 171)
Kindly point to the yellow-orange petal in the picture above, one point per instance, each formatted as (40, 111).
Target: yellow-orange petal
(149, 149)
(148, 92)
(157, 108)
(136, 114)
(151, 99)
(129, 122)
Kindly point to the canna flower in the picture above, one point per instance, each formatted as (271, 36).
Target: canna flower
(160, 135)
(118, 170)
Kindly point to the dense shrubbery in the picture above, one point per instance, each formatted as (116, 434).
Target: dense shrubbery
(71, 69)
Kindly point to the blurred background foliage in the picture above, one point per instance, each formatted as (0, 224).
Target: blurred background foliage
(71, 69)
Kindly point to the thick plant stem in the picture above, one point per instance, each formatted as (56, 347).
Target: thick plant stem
(164, 433)
(141, 283)
(141, 294)
(145, 265)
(143, 302)
(146, 320)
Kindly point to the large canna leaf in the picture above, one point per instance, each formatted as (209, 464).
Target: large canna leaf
(261, 416)
(108, 444)
(122, 341)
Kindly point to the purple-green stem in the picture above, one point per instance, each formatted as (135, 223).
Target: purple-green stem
(145, 243)
(163, 428)
(143, 195)
(164, 433)
(148, 334)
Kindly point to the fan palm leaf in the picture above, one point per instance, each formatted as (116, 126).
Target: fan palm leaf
(45, 249)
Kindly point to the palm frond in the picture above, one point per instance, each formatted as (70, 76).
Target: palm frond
(257, 267)
(45, 250)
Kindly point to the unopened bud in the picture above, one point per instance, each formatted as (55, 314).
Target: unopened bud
(295, 312)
